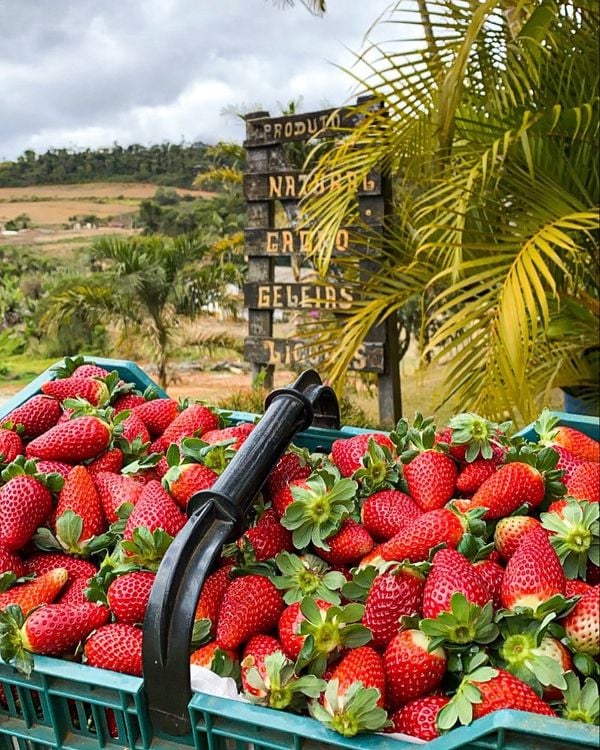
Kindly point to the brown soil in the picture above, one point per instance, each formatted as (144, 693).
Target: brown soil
(132, 190)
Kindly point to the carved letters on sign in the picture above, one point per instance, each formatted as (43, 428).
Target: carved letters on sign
(289, 241)
(294, 185)
(271, 296)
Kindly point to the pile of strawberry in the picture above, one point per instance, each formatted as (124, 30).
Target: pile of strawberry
(406, 582)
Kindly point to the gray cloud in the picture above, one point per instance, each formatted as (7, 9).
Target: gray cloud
(81, 73)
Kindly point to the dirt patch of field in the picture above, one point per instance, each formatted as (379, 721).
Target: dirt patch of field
(127, 190)
(56, 213)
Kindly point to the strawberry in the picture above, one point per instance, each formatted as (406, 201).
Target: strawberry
(128, 596)
(579, 445)
(89, 370)
(582, 624)
(349, 710)
(114, 490)
(362, 664)
(533, 574)
(418, 718)
(290, 467)
(576, 588)
(574, 534)
(75, 592)
(79, 496)
(91, 389)
(441, 526)
(37, 415)
(240, 618)
(510, 532)
(282, 497)
(386, 512)
(157, 414)
(289, 628)
(185, 480)
(486, 690)
(53, 467)
(508, 488)
(238, 433)
(54, 629)
(155, 509)
(207, 656)
(42, 590)
(584, 482)
(431, 479)
(308, 575)
(255, 651)
(476, 436)
(73, 441)
(211, 596)
(25, 503)
(348, 453)
(268, 538)
(110, 460)
(117, 646)
(393, 594)
(42, 562)
(450, 573)
(472, 476)
(11, 445)
(411, 670)
(128, 402)
(553, 649)
(10, 562)
(348, 545)
(491, 573)
(134, 427)
(191, 422)
(567, 462)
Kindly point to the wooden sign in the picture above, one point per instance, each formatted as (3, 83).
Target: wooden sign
(291, 241)
(286, 186)
(271, 130)
(271, 296)
(370, 356)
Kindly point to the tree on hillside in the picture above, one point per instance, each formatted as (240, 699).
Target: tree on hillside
(144, 284)
(488, 123)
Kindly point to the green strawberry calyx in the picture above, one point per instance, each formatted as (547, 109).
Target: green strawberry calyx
(378, 470)
(69, 528)
(351, 711)
(319, 510)
(581, 703)
(22, 466)
(546, 427)
(460, 707)
(279, 687)
(307, 576)
(478, 434)
(464, 623)
(576, 536)
(146, 548)
(12, 648)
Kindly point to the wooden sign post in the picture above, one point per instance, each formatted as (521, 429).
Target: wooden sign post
(270, 179)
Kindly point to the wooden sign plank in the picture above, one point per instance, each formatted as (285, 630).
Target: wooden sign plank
(370, 357)
(287, 241)
(272, 296)
(271, 130)
(291, 185)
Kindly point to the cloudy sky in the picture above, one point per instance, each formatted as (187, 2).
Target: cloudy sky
(80, 73)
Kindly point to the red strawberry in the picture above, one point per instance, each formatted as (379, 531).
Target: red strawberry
(289, 628)
(364, 664)
(348, 545)
(414, 542)
(472, 476)
(155, 509)
(10, 562)
(75, 592)
(79, 496)
(418, 718)
(444, 435)
(43, 562)
(11, 446)
(53, 467)
(289, 467)
(451, 572)
(157, 414)
(510, 532)
(110, 460)
(240, 617)
(491, 573)
(238, 432)
(128, 596)
(283, 496)
(533, 574)
(205, 655)
(24, 506)
(431, 479)
(37, 415)
(567, 462)
(511, 486)
(73, 441)
(57, 628)
(584, 482)
(185, 480)
(134, 427)
(392, 595)
(211, 596)
(254, 654)
(411, 670)
(92, 390)
(42, 590)
(386, 512)
(348, 453)
(582, 624)
(578, 443)
(128, 402)
(268, 538)
(193, 421)
(576, 588)
(507, 691)
(90, 370)
(114, 490)
(117, 646)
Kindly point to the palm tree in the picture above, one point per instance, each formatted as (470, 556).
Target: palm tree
(487, 122)
(317, 7)
(143, 283)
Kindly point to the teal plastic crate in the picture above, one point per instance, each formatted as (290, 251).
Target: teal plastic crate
(66, 706)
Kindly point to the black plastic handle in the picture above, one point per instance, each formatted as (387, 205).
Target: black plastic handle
(216, 516)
